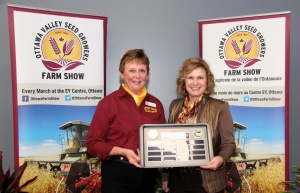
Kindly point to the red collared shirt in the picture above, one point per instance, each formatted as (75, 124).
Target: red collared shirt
(117, 120)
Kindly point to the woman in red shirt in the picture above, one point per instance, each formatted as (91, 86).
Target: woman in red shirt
(114, 131)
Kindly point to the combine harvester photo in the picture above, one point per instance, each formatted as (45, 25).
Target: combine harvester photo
(249, 161)
(242, 164)
(73, 146)
(75, 167)
(74, 138)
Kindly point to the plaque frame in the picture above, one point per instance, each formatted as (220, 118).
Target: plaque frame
(175, 145)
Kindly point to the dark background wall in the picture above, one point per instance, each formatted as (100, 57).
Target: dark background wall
(168, 32)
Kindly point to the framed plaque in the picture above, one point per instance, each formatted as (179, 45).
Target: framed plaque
(175, 145)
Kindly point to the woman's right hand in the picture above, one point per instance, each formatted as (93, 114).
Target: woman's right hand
(133, 158)
(165, 186)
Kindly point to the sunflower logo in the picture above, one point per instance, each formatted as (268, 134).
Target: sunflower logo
(61, 50)
(242, 50)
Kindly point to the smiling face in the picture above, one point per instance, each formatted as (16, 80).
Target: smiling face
(135, 76)
(196, 84)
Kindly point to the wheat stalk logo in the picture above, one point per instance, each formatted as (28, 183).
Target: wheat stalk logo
(241, 55)
(60, 62)
(235, 47)
(54, 46)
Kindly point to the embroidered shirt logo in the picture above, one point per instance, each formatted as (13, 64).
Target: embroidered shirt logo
(150, 109)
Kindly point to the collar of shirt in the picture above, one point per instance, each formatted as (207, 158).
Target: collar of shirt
(122, 92)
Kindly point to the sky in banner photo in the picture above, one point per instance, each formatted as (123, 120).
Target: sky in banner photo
(264, 134)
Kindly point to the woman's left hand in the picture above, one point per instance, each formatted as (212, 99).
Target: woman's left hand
(214, 163)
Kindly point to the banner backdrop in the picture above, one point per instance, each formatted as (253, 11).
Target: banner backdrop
(249, 57)
(58, 75)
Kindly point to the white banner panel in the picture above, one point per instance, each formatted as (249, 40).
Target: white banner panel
(249, 56)
(58, 75)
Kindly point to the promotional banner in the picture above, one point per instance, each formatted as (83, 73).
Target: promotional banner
(58, 75)
(249, 57)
